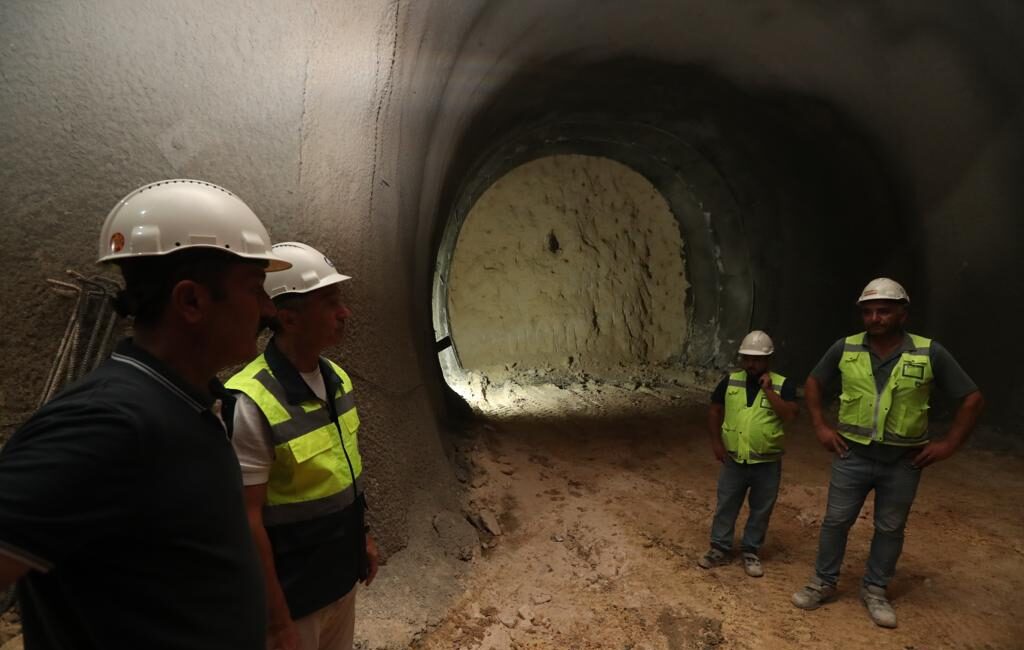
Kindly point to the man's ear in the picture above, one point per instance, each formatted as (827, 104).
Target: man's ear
(287, 318)
(190, 300)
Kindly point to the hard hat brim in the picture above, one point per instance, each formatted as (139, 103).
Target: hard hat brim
(756, 353)
(334, 278)
(273, 262)
(862, 300)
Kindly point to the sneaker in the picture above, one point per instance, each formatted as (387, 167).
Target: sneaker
(879, 609)
(815, 594)
(714, 557)
(752, 565)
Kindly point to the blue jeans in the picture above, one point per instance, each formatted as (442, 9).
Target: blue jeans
(735, 479)
(853, 476)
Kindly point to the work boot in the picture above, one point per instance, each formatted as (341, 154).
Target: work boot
(814, 594)
(714, 557)
(879, 609)
(752, 565)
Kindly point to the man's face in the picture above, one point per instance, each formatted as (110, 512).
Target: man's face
(236, 318)
(755, 365)
(320, 317)
(882, 317)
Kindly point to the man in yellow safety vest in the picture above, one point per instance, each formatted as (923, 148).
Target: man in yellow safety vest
(745, 421)
(295, 436)
(882, 439)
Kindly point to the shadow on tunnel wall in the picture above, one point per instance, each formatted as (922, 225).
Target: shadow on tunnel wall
(789, 192)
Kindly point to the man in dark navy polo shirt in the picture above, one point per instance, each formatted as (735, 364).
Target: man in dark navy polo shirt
(121, 510)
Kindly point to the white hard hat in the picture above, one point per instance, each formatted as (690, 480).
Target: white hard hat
(310, 270)
(173, 215)
(757, 344)
(883, 289)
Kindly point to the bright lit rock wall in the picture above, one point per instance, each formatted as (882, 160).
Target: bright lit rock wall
(569, 262)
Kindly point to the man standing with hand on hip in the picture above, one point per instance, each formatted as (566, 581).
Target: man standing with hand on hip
(295, 437)
(745, 421)
(882, 440)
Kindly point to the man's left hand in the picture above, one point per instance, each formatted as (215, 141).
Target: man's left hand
(932, 453)
(765, 381)
(372, 560)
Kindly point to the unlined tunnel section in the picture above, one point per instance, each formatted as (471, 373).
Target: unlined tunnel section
(595, 243)
(568, 266)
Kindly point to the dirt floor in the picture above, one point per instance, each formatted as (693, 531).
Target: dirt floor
(604, 510)
(602, 521)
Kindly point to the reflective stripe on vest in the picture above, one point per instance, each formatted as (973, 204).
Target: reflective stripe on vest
(310, 475)
(898, 415)
(751, 434)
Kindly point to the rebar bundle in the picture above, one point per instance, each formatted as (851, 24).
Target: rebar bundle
(92, 320)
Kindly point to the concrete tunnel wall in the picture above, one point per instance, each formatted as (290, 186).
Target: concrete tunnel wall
(359, 126)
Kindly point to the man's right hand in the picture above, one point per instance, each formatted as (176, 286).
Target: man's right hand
(719, 450)
(283, 636)
(830, 439)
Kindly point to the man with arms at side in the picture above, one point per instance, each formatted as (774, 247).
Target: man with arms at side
(296, 438)
(122, 517)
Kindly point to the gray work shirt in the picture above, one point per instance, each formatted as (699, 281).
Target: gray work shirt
(949, 377)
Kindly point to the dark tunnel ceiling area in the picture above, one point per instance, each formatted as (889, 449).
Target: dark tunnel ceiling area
(783, 178)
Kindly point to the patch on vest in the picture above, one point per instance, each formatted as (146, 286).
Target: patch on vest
(913, 370)
(765, 404)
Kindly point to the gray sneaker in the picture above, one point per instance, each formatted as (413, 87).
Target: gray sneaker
(815, 594)
(714, 557)
(752, 565)
(879, 609)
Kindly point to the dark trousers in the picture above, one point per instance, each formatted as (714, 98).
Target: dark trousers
(853, 476)
(734, 482)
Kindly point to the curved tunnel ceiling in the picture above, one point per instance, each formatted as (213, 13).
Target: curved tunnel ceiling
(853, 138)
(765, 187)
(856, 140)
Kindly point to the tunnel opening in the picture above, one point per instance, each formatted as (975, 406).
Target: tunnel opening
(566, 267)
(770, 192)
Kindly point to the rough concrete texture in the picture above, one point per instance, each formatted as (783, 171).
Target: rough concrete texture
(902, 73)
(574, 262)
(284, 106)
(348, 125)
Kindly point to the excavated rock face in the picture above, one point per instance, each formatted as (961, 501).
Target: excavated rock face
(572, 262)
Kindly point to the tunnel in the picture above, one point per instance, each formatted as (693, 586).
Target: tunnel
(749, 194)
(586, 198)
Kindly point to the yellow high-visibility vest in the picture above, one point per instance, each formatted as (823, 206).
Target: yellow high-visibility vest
(899, 414)
(317, 468)
(751, 434)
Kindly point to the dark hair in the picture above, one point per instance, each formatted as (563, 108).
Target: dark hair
(293, 301)
(149, 280)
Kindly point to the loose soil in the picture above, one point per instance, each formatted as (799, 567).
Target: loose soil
(602, 521)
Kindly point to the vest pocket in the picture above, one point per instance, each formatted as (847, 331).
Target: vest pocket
(305, 447)
(849, 409)
(350, 420)
(911, 421)
(770, 442)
